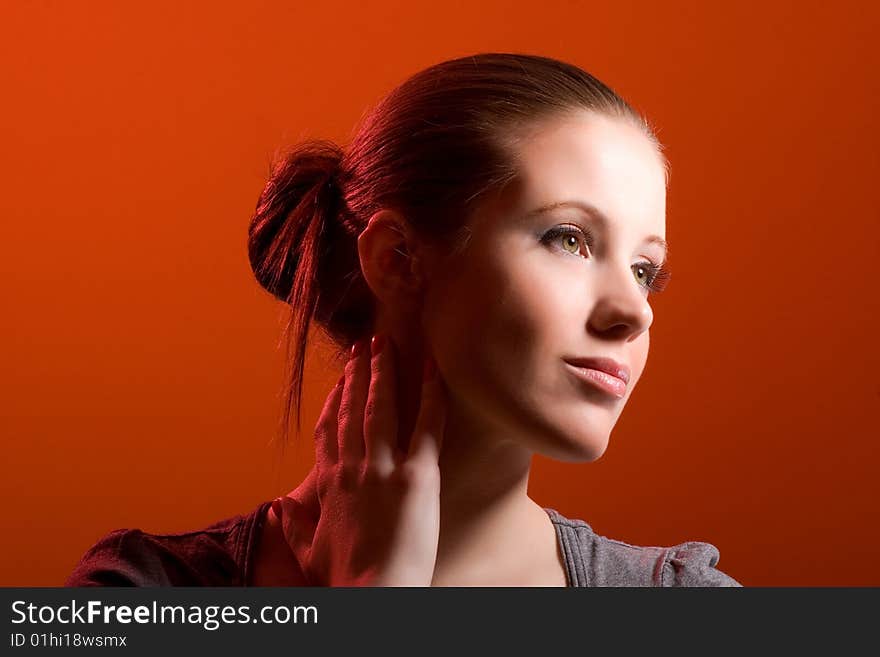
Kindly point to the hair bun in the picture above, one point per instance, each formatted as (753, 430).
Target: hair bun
(291, 213)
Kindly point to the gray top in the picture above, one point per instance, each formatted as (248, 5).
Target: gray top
(222, 554)
(594, 560)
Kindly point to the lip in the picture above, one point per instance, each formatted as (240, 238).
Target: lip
(604, 373)
(607, 365)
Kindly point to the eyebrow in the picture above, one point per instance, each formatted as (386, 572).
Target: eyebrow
(596, 213)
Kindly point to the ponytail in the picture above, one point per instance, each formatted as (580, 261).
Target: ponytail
(286, 239)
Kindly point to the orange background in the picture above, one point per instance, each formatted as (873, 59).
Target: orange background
(141, 362)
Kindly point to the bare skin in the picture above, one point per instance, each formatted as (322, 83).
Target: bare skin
(499, 321)
(307, 558)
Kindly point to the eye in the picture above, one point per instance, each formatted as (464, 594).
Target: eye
(574, 240)
(570, 238)
(652, 277)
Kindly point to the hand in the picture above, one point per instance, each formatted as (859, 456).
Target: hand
(378, 522)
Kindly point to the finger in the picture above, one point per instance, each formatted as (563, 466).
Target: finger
(325, 430)
(427, 437)
(380, 412)
(351, 410)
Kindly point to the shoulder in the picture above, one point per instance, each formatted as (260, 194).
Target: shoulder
(217, 555)
(693, 564)
(596, 560)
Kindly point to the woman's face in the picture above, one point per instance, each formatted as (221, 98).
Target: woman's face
(507, 315)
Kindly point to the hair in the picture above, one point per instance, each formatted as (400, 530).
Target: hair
(431, 149)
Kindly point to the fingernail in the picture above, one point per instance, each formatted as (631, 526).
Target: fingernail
(356, 348)
(276, 507)
(377, 343)
(429, 369)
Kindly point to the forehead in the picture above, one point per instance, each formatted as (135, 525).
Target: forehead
(602, 161)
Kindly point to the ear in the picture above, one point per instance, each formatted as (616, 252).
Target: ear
(389, 258)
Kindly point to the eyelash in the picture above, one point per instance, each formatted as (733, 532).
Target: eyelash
(659, 275)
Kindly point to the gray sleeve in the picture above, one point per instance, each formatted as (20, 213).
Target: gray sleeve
(693, 564)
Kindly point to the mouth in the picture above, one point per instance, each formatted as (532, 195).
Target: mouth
(595, 372)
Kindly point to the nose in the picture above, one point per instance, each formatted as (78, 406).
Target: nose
(621, 311)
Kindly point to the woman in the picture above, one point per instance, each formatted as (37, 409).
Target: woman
(497, 223)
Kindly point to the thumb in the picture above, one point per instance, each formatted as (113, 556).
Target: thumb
(297, 522)
(299, 511)
(427, 436)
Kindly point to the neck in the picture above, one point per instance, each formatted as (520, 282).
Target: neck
(489, 527)
(488, 524)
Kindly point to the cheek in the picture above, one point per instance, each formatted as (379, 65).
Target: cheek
(497, 332)
(473, 327)
(639, 355)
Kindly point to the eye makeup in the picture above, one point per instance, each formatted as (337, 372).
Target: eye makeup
(599, 217)
(652, 276)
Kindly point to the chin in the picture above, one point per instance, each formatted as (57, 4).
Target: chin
(573, 447)
(585, 452)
